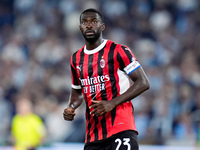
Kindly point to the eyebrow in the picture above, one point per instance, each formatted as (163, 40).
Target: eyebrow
(91, 19)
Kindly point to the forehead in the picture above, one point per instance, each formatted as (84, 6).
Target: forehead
(90, 15)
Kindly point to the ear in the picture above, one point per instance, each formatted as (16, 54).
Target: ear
(103, 26)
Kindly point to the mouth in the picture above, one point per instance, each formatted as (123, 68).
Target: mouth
(89, 32)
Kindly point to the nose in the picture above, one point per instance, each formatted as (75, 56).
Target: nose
(89, 25)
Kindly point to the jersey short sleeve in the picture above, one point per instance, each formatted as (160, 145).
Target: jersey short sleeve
(127, 60)
(75, 81)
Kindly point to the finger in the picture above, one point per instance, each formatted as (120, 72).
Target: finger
(69, 113)
(97, 112)
(69, 110)
(93, 111)
(96, 102)
(69, 118)
(93, 106)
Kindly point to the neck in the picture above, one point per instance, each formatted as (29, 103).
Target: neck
(90, 45)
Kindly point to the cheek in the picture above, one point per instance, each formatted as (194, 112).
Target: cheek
(99, 29)
(81, 28)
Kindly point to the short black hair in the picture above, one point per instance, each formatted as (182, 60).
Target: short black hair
(92, 10)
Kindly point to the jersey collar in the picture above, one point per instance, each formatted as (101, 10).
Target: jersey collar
(96, 49)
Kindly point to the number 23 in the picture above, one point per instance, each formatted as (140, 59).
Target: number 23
(125, 142)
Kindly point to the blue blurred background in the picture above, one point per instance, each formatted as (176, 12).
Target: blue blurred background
(37, 38)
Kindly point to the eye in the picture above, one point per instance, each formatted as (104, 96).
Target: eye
(94, 22)
(84, 22)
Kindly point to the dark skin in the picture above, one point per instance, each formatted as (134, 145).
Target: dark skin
(91, 27)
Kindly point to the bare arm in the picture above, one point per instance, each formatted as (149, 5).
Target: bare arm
(76, 98)
(75, 101)
(141, 84)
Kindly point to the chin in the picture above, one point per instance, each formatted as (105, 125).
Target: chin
(91, 40)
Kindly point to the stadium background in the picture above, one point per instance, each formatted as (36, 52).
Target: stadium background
(37, 38)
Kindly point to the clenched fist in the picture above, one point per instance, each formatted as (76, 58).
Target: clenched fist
(69, 114)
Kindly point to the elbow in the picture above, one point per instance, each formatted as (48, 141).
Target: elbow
(146, 85)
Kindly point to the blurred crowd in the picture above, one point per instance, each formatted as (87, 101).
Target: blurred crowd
(37, 38)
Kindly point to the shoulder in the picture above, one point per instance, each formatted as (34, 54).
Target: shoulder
(78, 51)
(113, 46)
(76, 54)
(16, 118)
(118, 45)
(35, 117)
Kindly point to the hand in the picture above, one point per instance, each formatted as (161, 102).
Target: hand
(101, 107)
(69, 114)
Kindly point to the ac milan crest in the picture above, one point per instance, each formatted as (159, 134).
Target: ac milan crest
(102, 63)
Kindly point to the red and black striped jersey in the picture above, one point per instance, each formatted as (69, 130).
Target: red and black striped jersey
(102, 74)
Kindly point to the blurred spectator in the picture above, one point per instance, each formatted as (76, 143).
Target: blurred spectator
(27, 128)
(50, 52)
